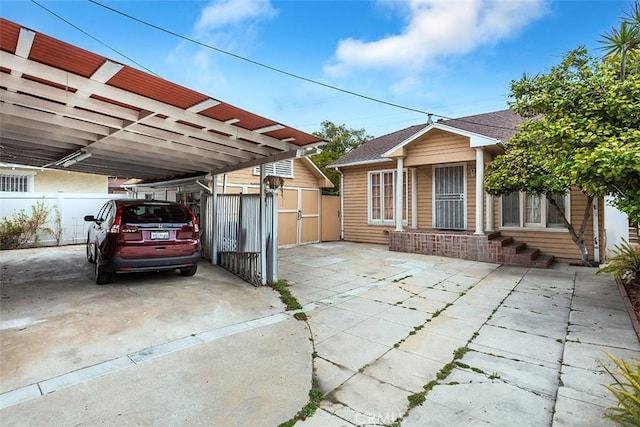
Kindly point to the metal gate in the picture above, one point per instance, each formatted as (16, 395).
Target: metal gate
(449, 197)
(238, 235)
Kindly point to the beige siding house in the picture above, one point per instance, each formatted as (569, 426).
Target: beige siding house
(300, 200)
(434, 175)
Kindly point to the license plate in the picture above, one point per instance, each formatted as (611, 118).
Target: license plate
(159, 235)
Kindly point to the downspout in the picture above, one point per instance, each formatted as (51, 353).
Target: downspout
(341, 204)
(596, 231)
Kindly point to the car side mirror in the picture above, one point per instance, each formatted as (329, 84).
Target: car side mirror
(91, 218)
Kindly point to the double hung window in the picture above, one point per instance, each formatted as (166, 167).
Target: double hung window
(381, 191)
(525, 210)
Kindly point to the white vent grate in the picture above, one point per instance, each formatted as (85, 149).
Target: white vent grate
(283, 168)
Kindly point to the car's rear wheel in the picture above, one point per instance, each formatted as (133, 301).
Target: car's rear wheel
(102, 277)
(189, 271)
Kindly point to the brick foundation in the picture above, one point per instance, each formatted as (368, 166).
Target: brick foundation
(475, 247)
(464, 245)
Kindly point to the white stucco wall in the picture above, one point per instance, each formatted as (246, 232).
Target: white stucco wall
(53, 181)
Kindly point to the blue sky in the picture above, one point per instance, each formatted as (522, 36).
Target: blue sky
(449, 57)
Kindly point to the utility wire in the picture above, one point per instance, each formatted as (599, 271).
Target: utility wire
(260, 64)
(251, 61)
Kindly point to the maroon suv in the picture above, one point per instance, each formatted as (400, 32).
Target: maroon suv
(132, 235)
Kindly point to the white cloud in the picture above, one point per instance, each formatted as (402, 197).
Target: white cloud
(222, 13)
(436, 28)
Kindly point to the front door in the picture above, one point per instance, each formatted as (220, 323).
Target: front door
(449, 204)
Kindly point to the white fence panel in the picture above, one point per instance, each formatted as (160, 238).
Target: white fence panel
(71, 206)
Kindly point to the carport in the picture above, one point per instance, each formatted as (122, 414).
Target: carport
(69, 109)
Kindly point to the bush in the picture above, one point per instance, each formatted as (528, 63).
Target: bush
(626, 390)
(625, 263)
(22, 229)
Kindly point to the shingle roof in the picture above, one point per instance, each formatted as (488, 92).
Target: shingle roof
(499, 125)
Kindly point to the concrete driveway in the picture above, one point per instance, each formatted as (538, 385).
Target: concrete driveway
(146, 349)
(493, 345)
(487, 344)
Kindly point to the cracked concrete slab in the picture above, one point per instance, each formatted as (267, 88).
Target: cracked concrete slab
(496, 403)
(552, 324)
(404, 370)
(370, 401)
(518, 346)
(531, 377)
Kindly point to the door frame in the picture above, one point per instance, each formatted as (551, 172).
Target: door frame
(301, 215)
(464, 193)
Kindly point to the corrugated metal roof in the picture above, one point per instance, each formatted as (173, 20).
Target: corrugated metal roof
(60, 100)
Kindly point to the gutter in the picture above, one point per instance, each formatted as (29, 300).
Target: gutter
(341, 203)
(362, 162)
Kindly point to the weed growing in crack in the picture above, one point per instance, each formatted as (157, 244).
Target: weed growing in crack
(315, 396)
(429, 386)
(445, 371)
(416, 399)
(494, 376)
(460, 352)
(290, 302)
(301, 316)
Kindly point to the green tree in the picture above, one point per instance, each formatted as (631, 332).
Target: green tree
(582, 130)
(340, 141)
(624, 42)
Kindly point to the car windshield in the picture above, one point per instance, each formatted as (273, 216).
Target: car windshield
(137, 214)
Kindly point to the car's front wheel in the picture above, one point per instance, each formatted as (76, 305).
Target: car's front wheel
(90, 252)
(102, 277)
(189, 271)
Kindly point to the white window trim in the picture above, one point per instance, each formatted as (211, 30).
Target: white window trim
(381, 221)
(30, 180)
(532, 226)
(272, 168)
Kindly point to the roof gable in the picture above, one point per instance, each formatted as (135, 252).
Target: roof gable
(482, 129)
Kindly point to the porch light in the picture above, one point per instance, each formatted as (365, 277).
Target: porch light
(273, 182)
